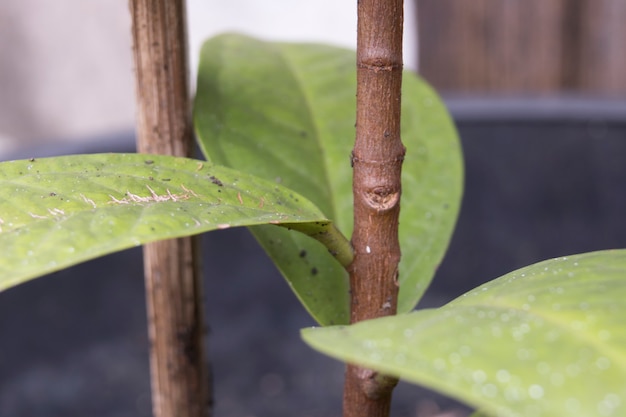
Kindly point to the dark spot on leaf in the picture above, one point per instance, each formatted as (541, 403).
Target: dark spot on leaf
(166, 179)
(151, 178)
(303, 134)
(149, 161)
(333, 252)
(216, 181)
(32, 159)
(302, 253)
(446, 206)
(53, 194)
(313, 271)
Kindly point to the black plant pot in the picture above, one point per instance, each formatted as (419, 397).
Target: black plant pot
(541, 182)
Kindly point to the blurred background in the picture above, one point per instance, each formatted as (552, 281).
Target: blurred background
(537, 89)
(66, 70)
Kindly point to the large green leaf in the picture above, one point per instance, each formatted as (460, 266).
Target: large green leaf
(547, 340)
(55, 212)
(286, 112)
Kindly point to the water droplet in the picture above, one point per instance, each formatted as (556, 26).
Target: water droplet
(512, 394)
(609, 403)
(496, 331)
(572, 370)
(479, 376)
(552, 335)
(572, 404)
(535, 391)
(523, 354)
(386, 343)
(489, 390)
(603, 363)
(369, 344)
(439, 364)
(454, 358)
(557, 379)
(400, 359)
(465, 350)
(543, 368)
(503, 376)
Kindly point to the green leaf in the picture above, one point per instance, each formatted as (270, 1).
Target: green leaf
(480, 414)
(286, 112)
(546, 340)
(56, 212)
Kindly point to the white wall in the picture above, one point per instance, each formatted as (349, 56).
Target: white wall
(66, 68)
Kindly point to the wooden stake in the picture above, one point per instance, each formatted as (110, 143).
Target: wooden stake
(180, 384)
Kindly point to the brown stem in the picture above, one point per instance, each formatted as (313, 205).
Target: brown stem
(180, 384)
(377, 160)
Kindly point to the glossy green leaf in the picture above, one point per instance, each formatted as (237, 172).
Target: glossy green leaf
(56, 212)
(547, 340)
(286, 112)
(480, 414)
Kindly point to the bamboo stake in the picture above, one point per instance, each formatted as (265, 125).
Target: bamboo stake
(377, 162)
(180, 384)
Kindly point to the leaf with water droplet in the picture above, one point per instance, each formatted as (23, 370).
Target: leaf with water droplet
(56, 212)
(504, 348)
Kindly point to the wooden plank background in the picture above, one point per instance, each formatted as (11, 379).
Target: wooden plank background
(524, 46)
